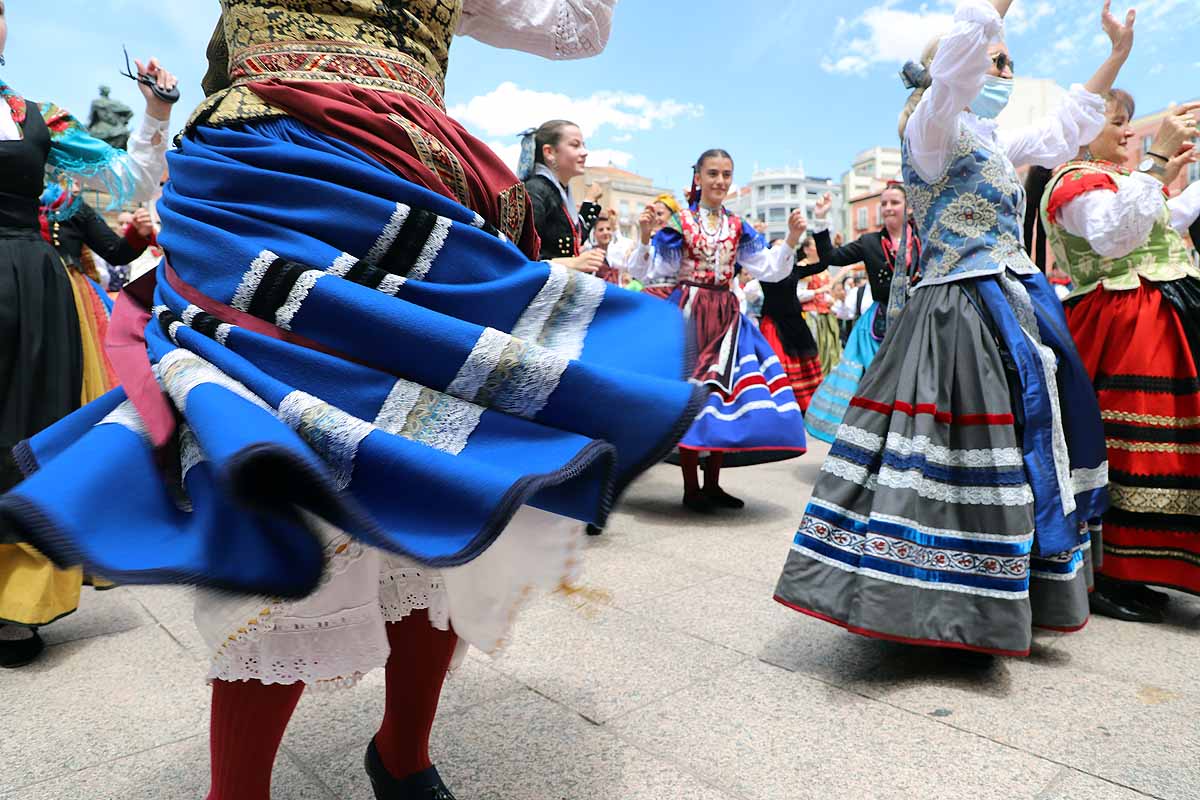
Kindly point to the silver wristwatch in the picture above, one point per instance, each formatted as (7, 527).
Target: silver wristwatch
(1152, 166)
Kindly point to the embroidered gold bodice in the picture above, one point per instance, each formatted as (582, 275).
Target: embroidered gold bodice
(392, 45)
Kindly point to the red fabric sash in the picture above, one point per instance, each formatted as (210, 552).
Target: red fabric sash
(126, 345)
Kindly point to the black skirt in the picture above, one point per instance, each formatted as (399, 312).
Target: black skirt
(41, 359)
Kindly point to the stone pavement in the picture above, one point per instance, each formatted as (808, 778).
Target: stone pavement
(671, 674)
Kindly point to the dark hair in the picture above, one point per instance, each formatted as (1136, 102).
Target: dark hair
(716, 152)
(549, 133)
(895, 186)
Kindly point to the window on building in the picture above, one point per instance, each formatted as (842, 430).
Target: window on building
(776, 214)
(863, 221)
(624, 207)
(793, 189)
(762, 193)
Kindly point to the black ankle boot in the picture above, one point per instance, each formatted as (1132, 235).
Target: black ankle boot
(723, 499)
(698, 502)
(19, 652)
(423, 785)
(1110, 599)
(1148, 597)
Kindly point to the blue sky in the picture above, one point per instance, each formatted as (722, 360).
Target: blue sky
(775, 82)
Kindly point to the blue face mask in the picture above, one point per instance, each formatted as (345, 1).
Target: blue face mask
(993, 97)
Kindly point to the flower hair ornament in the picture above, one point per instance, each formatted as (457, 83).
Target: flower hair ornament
(915, 76)
(528, 154)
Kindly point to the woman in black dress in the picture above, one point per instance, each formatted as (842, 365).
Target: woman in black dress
(43, 357)
(551, 156)
(783, 322)
(877, 253)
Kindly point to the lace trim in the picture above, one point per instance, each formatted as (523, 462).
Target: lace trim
(127, 417)
(566, 33)
(275, 646)
(403, 590)
(1086, 480)
(567, 327)
(331, 432)
(933, 453)
(189, 314)
(930, 490)
(222, 333)
(296, 297)
(481, 363)
(429, 253)
(427, 416)
(391, 284)
(1023, 307)
(342, 265)
(180, 371)
(387, 237)
(533, 321)
(250, 281)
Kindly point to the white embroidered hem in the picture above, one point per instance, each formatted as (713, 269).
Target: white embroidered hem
(335, 636)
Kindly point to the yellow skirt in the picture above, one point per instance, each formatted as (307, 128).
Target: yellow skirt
(32, 590)
(824, 329)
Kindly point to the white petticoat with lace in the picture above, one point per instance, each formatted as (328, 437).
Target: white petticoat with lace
(335, 636)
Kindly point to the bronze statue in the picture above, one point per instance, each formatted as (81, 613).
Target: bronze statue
(110, 119)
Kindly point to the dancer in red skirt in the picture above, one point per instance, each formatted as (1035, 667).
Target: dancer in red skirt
(1135, 316)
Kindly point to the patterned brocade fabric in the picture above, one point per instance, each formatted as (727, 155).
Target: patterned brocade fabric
(391, 45)
(970, 218)
(1162, 257)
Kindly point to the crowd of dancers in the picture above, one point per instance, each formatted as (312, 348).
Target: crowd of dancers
(1004, 456)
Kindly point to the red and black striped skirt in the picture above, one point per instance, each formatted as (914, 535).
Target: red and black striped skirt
(1142, 350)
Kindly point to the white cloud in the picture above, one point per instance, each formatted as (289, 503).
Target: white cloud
(509, 109)
(1024, 17)
(605, 157)
(510, 154)
(883, 34)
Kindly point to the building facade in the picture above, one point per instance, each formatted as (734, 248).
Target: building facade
(1146, 128)
(771, 194)
(861, 185)
(625, 192)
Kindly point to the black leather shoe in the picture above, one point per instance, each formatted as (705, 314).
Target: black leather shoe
(1144, 595)
(1117, 607)
(423, 785)
(698, 502)
(723, 499)
(592, 530)
(19, 652)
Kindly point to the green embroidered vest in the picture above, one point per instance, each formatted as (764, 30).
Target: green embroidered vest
(1162, 257)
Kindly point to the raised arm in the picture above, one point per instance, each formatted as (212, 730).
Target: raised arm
(1080, 117)
(104, 242)
(559, 29)
(957, 73)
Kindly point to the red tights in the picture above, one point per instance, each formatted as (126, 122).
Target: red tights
(249, 718)
(689, 462)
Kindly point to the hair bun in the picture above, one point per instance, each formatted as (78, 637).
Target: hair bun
(915, 76)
